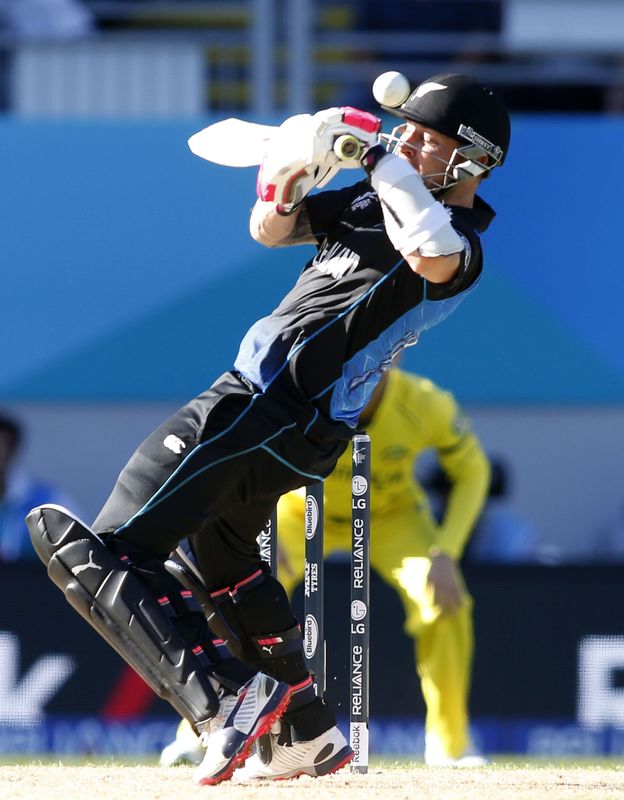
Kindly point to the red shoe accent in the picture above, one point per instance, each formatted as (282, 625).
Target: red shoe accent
(263, 726)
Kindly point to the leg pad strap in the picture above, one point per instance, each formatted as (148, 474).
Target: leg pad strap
(276, 645)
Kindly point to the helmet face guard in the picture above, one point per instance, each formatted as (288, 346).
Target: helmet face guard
(462, 108)
(465, 161)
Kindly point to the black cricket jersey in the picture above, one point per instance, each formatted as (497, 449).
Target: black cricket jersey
(355, 305)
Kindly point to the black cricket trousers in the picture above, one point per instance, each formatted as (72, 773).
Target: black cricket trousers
(213, 473)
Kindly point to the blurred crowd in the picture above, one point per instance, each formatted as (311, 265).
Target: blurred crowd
(45, 19)
(19, 492)
(451, 35)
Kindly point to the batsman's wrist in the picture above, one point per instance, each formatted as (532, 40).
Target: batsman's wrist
(372, 157)
(288, 209)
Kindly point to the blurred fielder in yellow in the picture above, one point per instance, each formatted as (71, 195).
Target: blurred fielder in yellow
(409, 549)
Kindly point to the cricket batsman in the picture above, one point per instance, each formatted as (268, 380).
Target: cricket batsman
(395, 254)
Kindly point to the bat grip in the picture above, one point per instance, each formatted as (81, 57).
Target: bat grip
(348, 148)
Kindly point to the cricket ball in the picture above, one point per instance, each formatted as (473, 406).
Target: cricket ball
(391, 89)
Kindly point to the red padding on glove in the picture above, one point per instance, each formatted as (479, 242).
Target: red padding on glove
(361, 119)
(266, 193)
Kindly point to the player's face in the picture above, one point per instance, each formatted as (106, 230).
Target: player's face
(427, 150)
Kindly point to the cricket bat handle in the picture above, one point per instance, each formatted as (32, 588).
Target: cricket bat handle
(348, 148)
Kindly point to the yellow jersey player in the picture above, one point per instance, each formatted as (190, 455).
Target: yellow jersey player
(414, 554)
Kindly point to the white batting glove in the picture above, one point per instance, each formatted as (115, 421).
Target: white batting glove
(343, 134)
(308, 150)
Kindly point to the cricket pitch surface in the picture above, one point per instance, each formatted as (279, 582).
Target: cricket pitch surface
(394, 782)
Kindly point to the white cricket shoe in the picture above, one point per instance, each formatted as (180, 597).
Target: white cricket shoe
(241, 719)
(321, 756)
(436, 757)
(186, 748)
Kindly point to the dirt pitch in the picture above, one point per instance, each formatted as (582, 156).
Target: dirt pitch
(112, 782)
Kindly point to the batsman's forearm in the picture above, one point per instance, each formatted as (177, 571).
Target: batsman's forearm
(272, 229)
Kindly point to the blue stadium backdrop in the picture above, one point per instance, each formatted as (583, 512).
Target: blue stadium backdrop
(128, 271)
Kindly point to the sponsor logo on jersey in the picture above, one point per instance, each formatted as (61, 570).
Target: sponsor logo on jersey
(336, 260)
(363, 201)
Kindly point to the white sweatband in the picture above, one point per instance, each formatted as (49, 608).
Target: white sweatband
(413, 218)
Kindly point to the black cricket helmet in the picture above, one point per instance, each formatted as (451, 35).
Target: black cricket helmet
(463, 108)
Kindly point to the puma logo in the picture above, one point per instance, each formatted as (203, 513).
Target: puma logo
(268, 649)
(82, 567)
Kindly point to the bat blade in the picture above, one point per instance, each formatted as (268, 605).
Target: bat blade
(232, 142)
